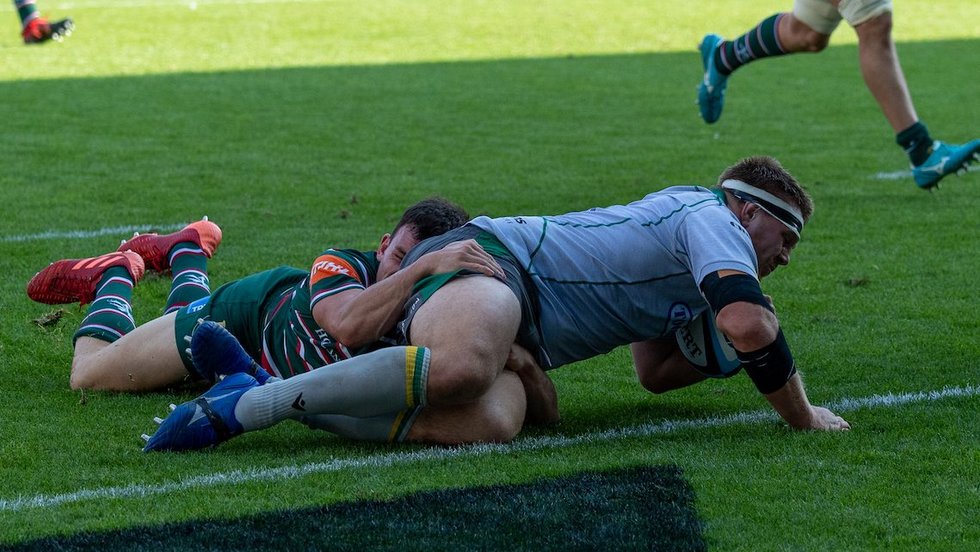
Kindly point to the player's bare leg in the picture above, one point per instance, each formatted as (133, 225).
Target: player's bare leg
(882, 72)
(662, 367)
(469, 325)
(495, 417)
(144, 359)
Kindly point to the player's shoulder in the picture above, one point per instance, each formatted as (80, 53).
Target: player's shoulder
(353, 263)
(682, 200)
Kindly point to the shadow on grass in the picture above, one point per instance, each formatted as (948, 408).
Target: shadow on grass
(646, 508)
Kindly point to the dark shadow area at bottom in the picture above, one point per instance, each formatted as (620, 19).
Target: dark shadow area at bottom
(641, 508)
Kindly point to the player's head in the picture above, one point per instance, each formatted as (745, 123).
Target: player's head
(432, 217)
(765, 173)
(427, 218)
(770, 204)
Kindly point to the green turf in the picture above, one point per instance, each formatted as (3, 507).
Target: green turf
(303, 125)
(630, 509)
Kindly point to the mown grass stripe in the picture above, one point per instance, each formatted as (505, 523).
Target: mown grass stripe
(137, 490)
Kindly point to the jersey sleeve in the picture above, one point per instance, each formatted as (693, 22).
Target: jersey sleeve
(336, 271)
(712, 239)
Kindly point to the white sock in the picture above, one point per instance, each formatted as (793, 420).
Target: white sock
(382, 382)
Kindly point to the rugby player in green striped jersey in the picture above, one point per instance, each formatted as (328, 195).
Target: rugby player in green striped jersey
(291, 320)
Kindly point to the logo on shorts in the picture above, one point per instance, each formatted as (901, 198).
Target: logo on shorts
(678, 316)
(199, 304)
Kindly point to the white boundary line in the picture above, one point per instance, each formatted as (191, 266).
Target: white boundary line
(83, 234)
(67, 5)
(137, 490)
(907, 173)
(894, 175)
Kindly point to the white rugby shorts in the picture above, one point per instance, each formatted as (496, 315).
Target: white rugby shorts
(823, 17)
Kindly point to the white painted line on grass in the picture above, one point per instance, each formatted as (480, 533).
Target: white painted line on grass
(894, 175)
(68, 5)
(83, 234)
(902, 175)
(137, 490)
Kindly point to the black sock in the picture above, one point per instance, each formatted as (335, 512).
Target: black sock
(916, 142)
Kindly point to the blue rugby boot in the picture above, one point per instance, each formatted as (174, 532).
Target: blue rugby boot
(711, 91)
(216, 353)
(204, 422)
(943, 160)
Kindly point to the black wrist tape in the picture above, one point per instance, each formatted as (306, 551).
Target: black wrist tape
(769, 367)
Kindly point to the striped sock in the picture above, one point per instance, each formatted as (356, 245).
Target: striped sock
(760, 42)
(382, 382)
(189, 266)
(110, 316)
(27, 10)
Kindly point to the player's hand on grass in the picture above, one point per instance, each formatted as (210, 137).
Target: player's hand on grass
(825, 420)
(462, 255)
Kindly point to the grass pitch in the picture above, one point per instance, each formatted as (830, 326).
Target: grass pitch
(302, 125)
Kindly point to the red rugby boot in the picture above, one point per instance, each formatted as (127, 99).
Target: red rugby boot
(155, 249)
(38, 30)
(75, 280)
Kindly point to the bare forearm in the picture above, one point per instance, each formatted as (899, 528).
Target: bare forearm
(373, 312)
(792, 404)
(542, 397)
(365, 316)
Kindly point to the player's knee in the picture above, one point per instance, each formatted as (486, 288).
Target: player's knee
(813, 41)
(876, 31)
(461, 380)
(654, 383)
(83, 375)
(500, 423)
(800, 37)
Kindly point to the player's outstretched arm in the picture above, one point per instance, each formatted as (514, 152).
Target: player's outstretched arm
(765, 356)
(791, 402)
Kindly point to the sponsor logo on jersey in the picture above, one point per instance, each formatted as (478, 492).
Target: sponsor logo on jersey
(327, 266)
(326, 343)
(678, 316)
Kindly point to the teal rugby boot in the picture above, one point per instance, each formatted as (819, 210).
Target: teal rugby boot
(945, 159)
(711, 91)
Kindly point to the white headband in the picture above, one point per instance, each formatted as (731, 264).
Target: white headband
(776, 207)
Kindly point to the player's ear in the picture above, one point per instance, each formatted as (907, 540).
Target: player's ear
(746, 212)
(383, 246)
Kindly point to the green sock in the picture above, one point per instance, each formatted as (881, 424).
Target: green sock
(916, 142)
(375, 384)
(189, 266)
(110, 316)
(758, 43)
(27, 10)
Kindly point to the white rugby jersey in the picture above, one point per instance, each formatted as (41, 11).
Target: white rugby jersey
(611, 276)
